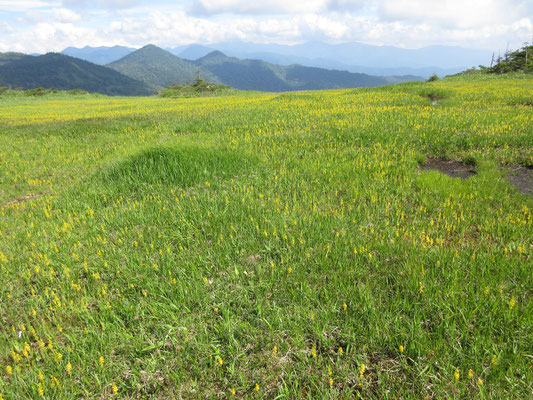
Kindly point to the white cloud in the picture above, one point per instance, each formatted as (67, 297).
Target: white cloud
(344, 5)
(405, 23)
(5, 27)
(65, 15)
(455, 13)
(271, 7)
(32, 16)
(113, 4)
(24, 5)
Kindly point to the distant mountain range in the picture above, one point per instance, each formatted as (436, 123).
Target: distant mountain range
(58, 71)
(352, 57)
(99, 55)
(158, 68)
(150, 69)
(260, 75)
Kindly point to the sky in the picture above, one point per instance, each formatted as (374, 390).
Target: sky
(39, 26)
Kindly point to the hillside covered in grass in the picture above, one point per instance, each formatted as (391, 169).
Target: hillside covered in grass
(293, 245)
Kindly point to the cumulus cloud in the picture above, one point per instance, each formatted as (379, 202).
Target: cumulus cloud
(273, 7)
(256, 7)
(5, 27)
(344, 5)
(405, 23)
(65, 15)
(112, 4)
(455, 13)
(25, 5)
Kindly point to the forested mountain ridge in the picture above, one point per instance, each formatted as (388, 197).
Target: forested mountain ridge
(158, 68)
(58, 71)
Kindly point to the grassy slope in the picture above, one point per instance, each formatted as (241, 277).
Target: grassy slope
(266, 244)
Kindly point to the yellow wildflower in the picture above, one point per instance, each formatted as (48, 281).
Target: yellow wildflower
(401, 349)
(362, 370)
(69, 368)
(470, 373)
(512, 302)
(457, 375)
(9, 369)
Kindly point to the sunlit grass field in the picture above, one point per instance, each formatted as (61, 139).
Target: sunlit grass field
(267, 246)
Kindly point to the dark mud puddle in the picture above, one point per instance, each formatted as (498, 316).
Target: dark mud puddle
(455, 169)
(521, 178)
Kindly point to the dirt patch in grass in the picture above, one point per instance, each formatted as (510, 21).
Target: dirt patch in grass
(521, 178)
(22, 199)
(453, 168)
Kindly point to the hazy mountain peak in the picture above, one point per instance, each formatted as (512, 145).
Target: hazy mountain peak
(98, 55)
(214, 54)
(151, 47)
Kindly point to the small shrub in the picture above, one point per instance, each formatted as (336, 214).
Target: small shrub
(433, 78)
(198, 88)
(434, 93)
(76, 91)
(39, 92)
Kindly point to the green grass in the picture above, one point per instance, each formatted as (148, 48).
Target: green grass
(267, 245)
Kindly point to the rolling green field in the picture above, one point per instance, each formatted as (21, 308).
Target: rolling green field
(267, 246)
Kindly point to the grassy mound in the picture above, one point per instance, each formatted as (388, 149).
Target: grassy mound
(180, 166)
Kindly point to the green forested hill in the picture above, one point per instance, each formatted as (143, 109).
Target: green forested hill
(151, 68)
(260, 75)
(57, 71)
(158, 68)
(6, 58)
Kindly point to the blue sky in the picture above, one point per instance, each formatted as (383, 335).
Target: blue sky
(51, 25)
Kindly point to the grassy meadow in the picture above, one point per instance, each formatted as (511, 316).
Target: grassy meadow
(267, 246)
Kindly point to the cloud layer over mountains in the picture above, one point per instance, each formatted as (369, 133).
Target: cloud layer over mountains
(48, 25)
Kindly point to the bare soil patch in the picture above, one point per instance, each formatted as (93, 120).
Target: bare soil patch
(22, 199)
(453, 168)
(521, 178)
